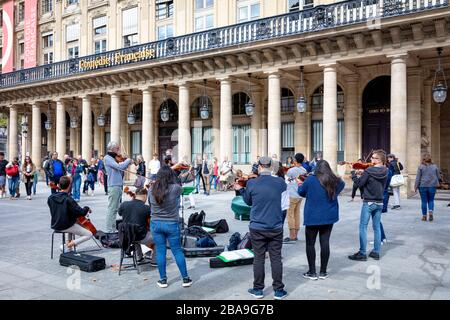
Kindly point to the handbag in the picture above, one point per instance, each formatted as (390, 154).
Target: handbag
(397, 180)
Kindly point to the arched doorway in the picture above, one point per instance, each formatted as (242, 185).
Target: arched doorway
(168, 138)
(376, 115)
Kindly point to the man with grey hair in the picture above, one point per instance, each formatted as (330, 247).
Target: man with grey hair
(264, 194)
(115, 171)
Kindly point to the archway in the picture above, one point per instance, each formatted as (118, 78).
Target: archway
(168, 138)
(376, 124)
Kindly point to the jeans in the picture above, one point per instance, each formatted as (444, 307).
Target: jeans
(212, 179)
(114, 198)
(35, 182)
(324, 232)
(76, 188)
(197, 182)
(383, 235)
(90, 184)
(385, 200)
(272, 241)
(427, 197)
(105, 179)
(12, 185)
(164, 231)
(374, 211)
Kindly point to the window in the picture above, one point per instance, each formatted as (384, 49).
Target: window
(317, 99)
(21, 12)
(239, 101)
(317, 138)
(248, 10)
(287, 140)
(100, 46)
(48, 57)
(241, 144)
(287, 100)
(47, 6)
(164, 9)
(69, 2)
(99, 25)
(72, 52)
(296, 5)
(203, 4)
(21, 48)
(165, 32)
(22, 63)
(130, 27)
(47, 41)
(202, 141)
(204, 22)
(107, 140)
(135, 137)
(73, 32)
(1, 18)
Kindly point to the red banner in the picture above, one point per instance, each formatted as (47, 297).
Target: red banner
(30, 33)
(8, 37)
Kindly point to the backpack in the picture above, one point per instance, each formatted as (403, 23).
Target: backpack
(108, 240)
(245, 243)
(204, 239)
(221, 226)
(206, 242)
(196, 219)
(235, 239)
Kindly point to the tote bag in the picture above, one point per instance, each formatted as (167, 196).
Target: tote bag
(398, 179)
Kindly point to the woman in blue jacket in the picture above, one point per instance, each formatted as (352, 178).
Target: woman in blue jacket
(320, 213)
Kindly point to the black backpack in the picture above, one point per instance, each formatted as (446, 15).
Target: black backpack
(196, 219)
(246, 242)
(235, 239)
(221, 226)
(108, 240)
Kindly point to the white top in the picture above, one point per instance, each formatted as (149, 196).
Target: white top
(154, 165)
(226, 167)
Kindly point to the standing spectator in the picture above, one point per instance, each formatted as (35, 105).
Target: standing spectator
(373, 180)
(55, 169)
(321, 213)
(427, 180)
(395, 167)
(44, 164)
(83, 163)
(215, 174)
(289, 162)
(154, 165)
(35, 180)
(226, 170)
(28, 170)
(316, 160)
(206, 172)
(198, 174)
(141, 170)
(295, 201)
(12, 170)
(75, 170)
(91, 176)
(3, 164)
(164, 199)
(263, 194)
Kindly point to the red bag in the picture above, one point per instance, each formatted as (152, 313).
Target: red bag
(12, 171)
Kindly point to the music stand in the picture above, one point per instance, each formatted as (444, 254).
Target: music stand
(185, 191)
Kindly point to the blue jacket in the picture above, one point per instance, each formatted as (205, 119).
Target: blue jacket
(263, 194)
(319, 209)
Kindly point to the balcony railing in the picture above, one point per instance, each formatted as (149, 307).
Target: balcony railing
(309, 20)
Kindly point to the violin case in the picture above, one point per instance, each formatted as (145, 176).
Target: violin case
(219, 263)
(203, 252)
(85, 262)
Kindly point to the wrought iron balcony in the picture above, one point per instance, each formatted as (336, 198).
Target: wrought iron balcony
(310, 20)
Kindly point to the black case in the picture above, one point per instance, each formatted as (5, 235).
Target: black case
(203, 252)
(83, 261)
(218, 263)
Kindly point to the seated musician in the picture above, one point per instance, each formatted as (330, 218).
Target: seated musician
(137, 212)
(65, 211)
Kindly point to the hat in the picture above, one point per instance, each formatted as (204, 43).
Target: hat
(295, 172)
(390, 155)
(265, 161)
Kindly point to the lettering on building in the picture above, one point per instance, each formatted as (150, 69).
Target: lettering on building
(116, 59)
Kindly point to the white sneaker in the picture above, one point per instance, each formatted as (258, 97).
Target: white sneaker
(382, 242)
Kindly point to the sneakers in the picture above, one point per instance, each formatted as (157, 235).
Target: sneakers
(424, 218)
(310, 275)
(289, 240)
(374, 255)
(162, 283)
(323, 275)
(430, 217)
(382, 242)
(280, 294)
(396, 207)
(256, 293)
(191, 207)
(187, 282)
(358, 257)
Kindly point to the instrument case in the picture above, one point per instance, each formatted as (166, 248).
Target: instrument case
(85, 262)
(203, 252)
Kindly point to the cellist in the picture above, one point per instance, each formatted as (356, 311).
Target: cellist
(115, 166)
(65, 211)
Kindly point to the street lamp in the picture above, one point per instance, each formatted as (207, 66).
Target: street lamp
(301, 101)
(73, 117)
(249, 106)
(131, 118)
(204, 110)
(48, 123)
(101, 119)
(439, 88)
(3, 127)
(25, 126)
(164, 113)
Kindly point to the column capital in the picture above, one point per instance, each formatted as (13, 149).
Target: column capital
(414, 71)
(115, 93)
(273, 72)
(398, 57)
(86, 97)
(224, 79)
(329, 65)
(184, 85)
(147, 89)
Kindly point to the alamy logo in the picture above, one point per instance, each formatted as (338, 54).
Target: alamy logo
(73, 282)
(374, 280)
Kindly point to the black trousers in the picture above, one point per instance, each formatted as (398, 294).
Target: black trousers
(355, 187)
(271, 241)
(29, 185)
(105, 180)
(324, 232)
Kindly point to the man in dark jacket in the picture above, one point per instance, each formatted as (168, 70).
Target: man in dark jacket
(373, 182)
(55, 169)
(266, 226)
(65, 212)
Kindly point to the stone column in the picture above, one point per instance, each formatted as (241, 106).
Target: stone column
(13, 142)
(97, 139)
(51, 134)
(60, 128)
(73, 141)
(156, 131)
(124, 137)
(351, 118)
(263, 132)
(274, 115)
(308, 153)
(426, 117)
(414, 138)
(147, 124)
(115, 117)
(216, 126)
(435, 133)
(36, 150)
(184, 123)
(255, 125)
(86, 133)
(399, 122)
(24, 142)
(226, 124)
(330, 115)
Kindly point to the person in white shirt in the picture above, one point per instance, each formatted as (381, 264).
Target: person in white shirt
(154, 165)
(226, 171)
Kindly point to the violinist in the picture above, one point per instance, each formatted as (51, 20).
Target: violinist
(65, 212)
(115, 165)
(138, 213)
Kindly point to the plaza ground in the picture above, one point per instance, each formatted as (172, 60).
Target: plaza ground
(415, 264)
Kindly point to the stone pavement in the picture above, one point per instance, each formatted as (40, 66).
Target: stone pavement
(415, 264)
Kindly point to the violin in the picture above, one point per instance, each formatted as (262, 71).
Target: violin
(53, 186)
(120, 158)
(244, 179)
(180, 166)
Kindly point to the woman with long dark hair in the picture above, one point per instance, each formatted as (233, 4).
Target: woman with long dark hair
(28, 169)
(164, 203)
(321, 212)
